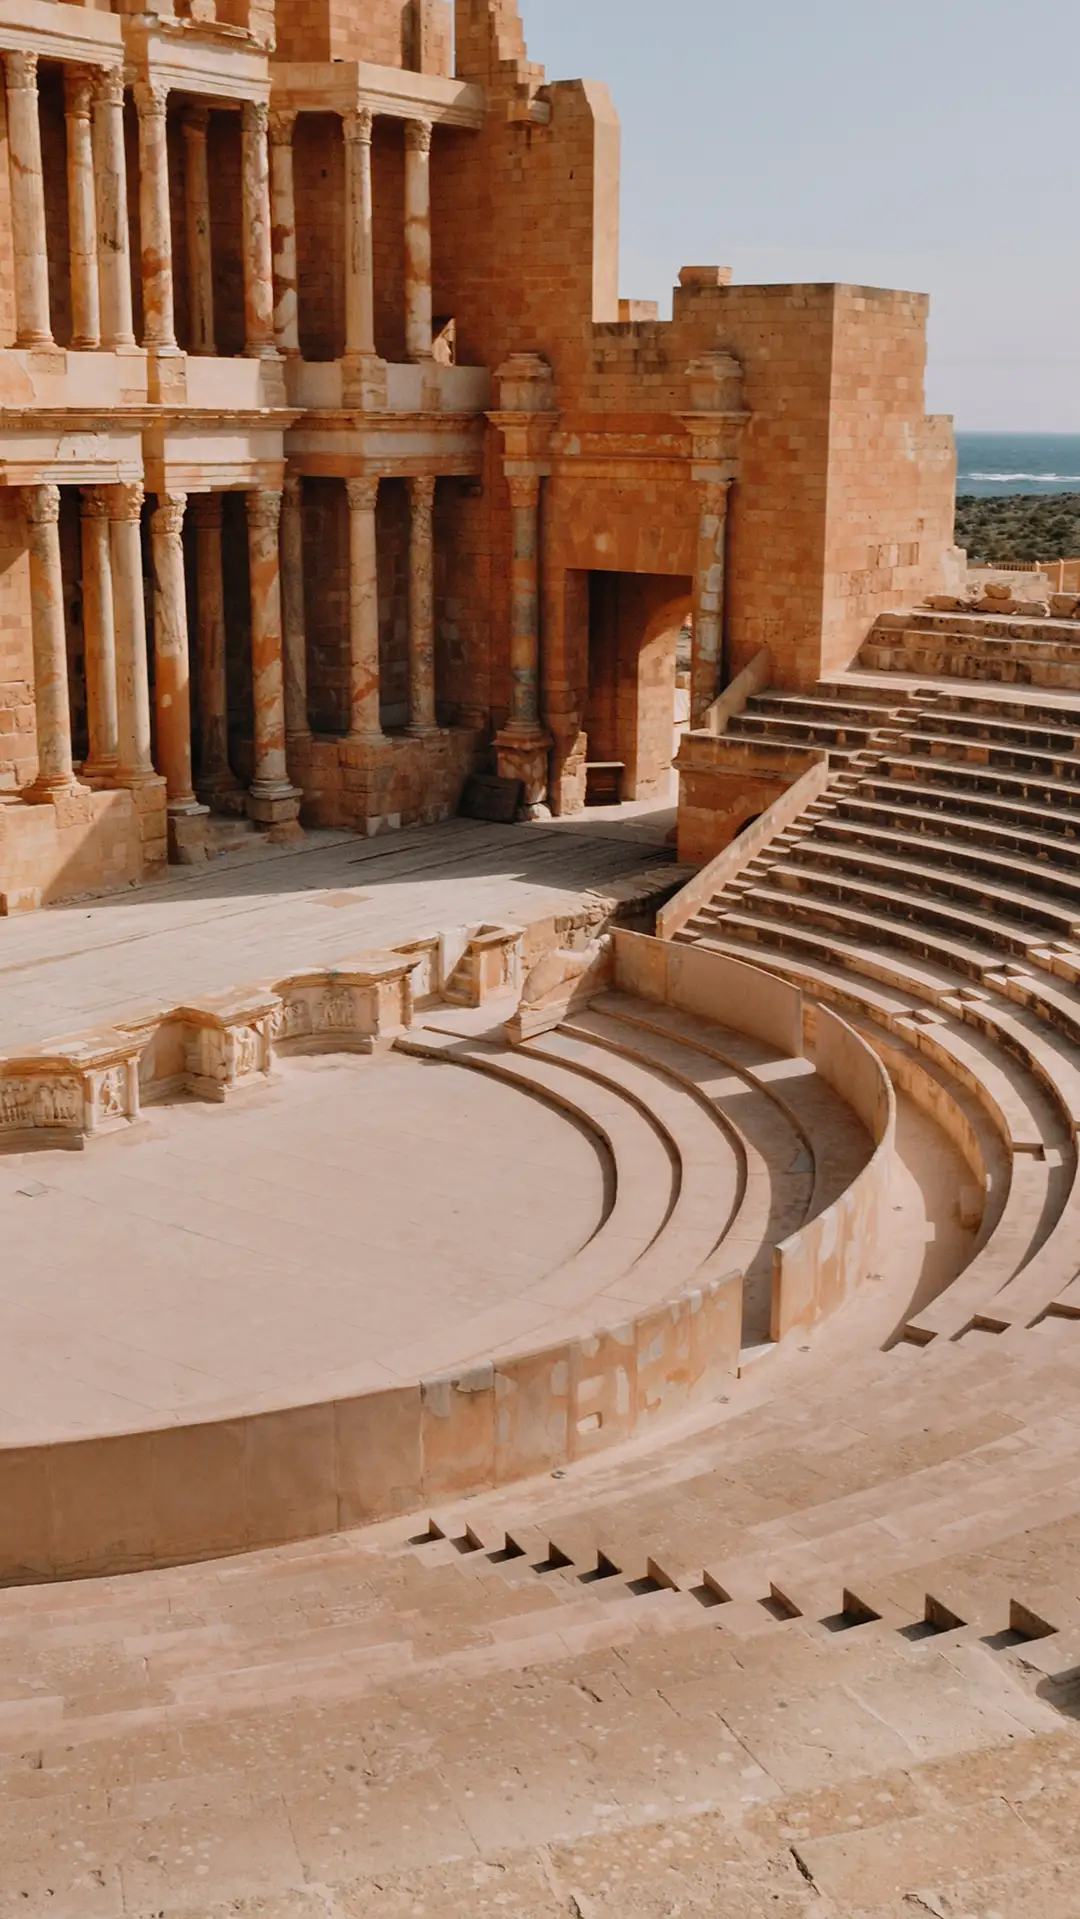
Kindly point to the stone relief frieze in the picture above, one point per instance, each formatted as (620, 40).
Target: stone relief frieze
(40, 1102)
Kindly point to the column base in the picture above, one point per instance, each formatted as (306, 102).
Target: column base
(166, 376)
(222, 792)
(100, 775)
(425, 732)
(46, 792)
(375, 738)
(273, 803)
(522, 754)
(186, 808)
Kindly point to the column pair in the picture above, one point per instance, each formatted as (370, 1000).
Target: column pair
(365, 724)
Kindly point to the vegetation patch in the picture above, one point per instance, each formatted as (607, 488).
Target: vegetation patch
(1019, 526)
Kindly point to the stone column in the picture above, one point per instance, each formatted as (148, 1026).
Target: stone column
(217, 782)
(271, 801)
(365, 722)
(197, 220)
(172, 675)
(159, 323)
(258, 261)
(294, 624)
(28, 235)
(110, 184)
(82, 213)
(136, 767)
(525, 605)
(283, 232)
(706, 659)
(418, 323)
(359, 256)
(99, 636)
(422, 607)
(41, 505)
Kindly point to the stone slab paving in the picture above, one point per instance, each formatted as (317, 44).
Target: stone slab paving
(85, 964)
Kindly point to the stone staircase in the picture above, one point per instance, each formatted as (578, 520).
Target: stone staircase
(976, 646)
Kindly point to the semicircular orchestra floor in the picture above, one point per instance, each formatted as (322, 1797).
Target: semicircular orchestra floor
(362, 1222)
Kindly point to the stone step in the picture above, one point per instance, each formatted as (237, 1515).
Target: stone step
(955, 776)
(922, 895)
(968, 874)
(931, 741)
(910, 815)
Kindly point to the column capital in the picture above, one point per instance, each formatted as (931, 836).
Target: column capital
(21, 70)
(263, 508)
(168, 515)
(94, 503)
(422, 492)
(282, 126)
(363, 493)
(418, 136)
(292, 489)
(206, 512)
(713, 494)
(41, 504)
(358, 125)
(126, 500)
(255, 117)
(151, 98)
(524, 489)
(78, 92)
(109, 86)
(196, 121)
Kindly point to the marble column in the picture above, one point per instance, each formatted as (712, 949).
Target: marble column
(294, 623)
(707, 655)
(197, 221)
(422, 607)
(129, 606)
(27, 183)
(418, 321)
(525, 605)
(172, 665)
(359, 254)
(216, 781)
(110, 187)
(365, 722)
(272, 800)
(258, 260)
(159, 323)
(82, 212)
(283, 232)
(99, 638)
(41, 505)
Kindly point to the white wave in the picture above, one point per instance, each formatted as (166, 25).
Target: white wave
(1042, 479)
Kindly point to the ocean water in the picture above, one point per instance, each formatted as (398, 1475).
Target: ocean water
(993, 464)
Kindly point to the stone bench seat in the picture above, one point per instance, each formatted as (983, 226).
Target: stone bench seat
(770, 914)
(1002, 869)
(1039, 734)
(796, 732)
(827, 707)
(1002, 662)
(961, 778)
(934, 742)
(921, 893)
(974, 821)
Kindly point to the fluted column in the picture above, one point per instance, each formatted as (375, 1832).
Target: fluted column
(82, 213)
(111, 196)
(99, 638)
(28, 234)
(271, 798)
(197, 221)
(41, 505)
(418, 321)
(258, 260)
(129, 605)
(706, 658)
(294, 623)
(422, 607)
(159, 322)
(283, 232)
(172, 667)
(216, 780)
(359, 254)
(365, 723)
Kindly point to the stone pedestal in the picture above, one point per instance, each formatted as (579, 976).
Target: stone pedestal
(523, 755)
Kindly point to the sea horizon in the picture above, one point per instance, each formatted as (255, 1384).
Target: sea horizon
(992, 465)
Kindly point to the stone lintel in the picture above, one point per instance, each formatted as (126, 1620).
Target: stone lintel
(347, 86)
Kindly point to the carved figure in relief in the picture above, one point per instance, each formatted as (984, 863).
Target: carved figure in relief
(111, 1093)
(246, 1050)
(40, 1102)
(335, 1012)
(291, 1020)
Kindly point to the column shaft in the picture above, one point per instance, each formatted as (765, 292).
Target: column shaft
(524, 605)
(172, 675)
(82, 213)
(283, 233)
(197, 220)
(216, 778)
(99, 636)
(41, 505)
(258, 261)
(359, 255)
(159, 323)
(422, 607)
(110, 184)
(708, 600)
(294, 623)
(136, 766)
(365, 721)
(418, 320)
(271, 798)
(28, 233)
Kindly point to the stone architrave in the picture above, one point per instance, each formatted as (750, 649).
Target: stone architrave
(82, 212)
(196, 125)
(418, 313)
(272, 800)
(159, 324)
(365, 723)
(29, 239)
(294, 624)
(172, 677)
(283, 231)
(136, 768)
(422, 607)
(41, 505)
(216, 783)
(99, 635)
(111, 196)
(258, 255)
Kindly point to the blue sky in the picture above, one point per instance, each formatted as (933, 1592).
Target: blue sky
(931, 145)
